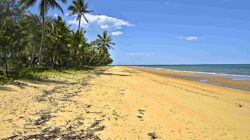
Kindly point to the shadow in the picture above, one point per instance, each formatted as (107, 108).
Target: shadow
(71, 131)
(33, 80)
(37, 80)
(113, 74)
(101, 70)
(57, 133)
(5, 88)
(18, 84)
(42, 81)
(130, 71)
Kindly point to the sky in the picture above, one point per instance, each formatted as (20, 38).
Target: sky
(162, 32)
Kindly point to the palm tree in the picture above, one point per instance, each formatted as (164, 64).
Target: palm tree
(44, 6)
(104, 43)
(58, 37)
(79, 8)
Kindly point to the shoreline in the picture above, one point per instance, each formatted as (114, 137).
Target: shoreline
(224, 80)
(231, 76)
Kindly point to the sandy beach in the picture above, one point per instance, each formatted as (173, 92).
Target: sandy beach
(125, 103)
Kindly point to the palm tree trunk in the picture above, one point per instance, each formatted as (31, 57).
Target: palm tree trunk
(54, 57)
(53, 60)
(42, 41)
(93, 57)
(74, 57)
(79, 25)
(43, 36)
(78, 42)
(33, 52)
(84, 60)
(100, 62)
(6, 62)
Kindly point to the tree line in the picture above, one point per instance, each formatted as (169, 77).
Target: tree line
(28, 40)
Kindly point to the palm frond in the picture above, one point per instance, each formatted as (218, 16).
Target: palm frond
(27, 3)
(54, 4)
(85, 18)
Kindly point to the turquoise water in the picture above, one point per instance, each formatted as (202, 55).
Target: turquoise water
(233, 71)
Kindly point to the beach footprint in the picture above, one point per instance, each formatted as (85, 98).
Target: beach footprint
(141, 114)
(122, 91)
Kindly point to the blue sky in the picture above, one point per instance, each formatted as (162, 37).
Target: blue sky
(170, 31)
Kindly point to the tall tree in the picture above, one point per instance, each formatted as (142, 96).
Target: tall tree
(44, 6)
(10, 32)
(79, 8)
(32, 25)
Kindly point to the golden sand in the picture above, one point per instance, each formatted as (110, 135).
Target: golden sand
(125, 103)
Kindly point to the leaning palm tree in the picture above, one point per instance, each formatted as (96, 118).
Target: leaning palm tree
(104, 43)
(44, 6)
(79, 8)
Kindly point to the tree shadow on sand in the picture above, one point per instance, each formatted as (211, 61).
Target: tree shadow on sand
(39, 80)
(5, 88)
(58, 133)
(106, 73)
(69, 131)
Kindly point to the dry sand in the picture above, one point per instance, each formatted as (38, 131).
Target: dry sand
(124, 103)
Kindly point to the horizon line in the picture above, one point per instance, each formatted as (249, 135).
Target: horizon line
(176, 64)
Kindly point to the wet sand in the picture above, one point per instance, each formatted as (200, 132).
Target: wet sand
(124, 103)
(203, 78)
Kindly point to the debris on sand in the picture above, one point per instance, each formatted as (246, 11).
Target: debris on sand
(238, 105)
(57, 133)
(152, 136)
(44, 117)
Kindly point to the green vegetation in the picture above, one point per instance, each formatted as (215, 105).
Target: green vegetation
(40, 74)
(52, 75)
(28, 41)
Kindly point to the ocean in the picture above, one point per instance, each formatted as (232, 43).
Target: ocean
(233, 71)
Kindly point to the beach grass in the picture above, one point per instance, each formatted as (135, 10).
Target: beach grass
(43, 74)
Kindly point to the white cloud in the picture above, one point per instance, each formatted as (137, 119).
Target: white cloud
(102, 22)
(67, 14)
(189, 38)
(104, 26)
(55, 15)
(117, 33)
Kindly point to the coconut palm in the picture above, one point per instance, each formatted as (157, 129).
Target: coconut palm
(104, 43)
(44, 6)
(79, 8)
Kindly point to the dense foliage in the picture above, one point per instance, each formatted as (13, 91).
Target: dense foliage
(28, 40)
